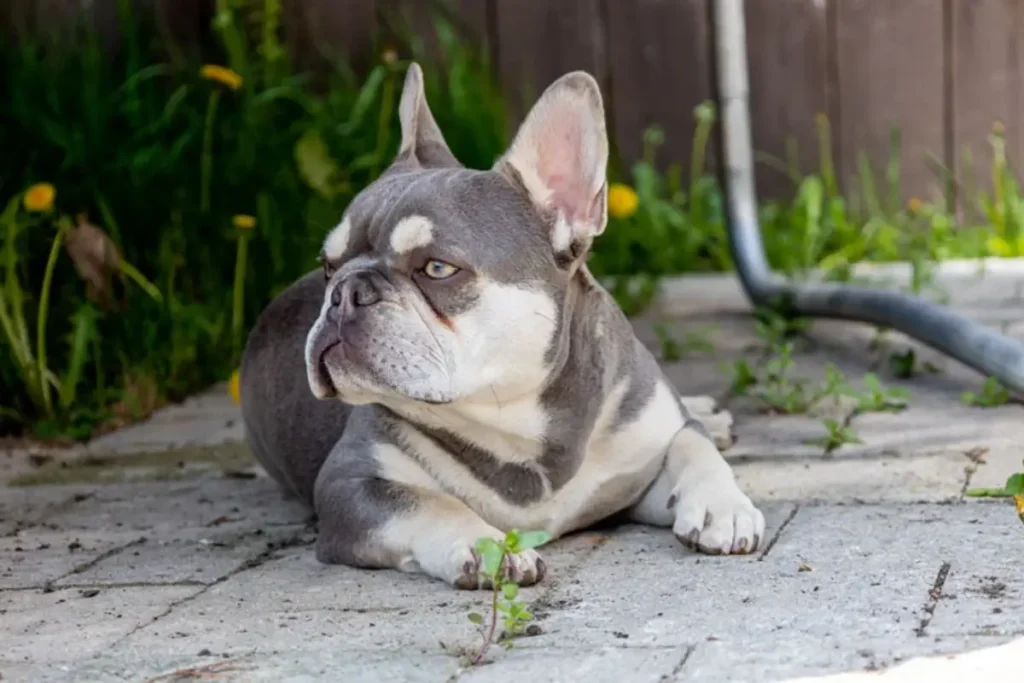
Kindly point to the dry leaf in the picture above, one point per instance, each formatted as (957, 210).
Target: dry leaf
(96, 259)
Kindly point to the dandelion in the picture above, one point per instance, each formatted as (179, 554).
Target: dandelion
(39, 198)
(622, 200)
(229, 79)
(244, 222)
(915, 205)
(235, 387)
(1018, 502)
(222, 75)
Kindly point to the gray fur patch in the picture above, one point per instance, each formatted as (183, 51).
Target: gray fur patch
(516, 484)
(352, 500)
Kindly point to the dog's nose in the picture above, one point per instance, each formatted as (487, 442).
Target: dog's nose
(355, 291)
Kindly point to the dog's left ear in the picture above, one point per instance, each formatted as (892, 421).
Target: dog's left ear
(423, 145)
(560, 158)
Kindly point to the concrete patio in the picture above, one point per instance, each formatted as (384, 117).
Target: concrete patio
(162, 553)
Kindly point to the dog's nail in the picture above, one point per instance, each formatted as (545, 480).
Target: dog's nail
(541, 570)
(689, 540)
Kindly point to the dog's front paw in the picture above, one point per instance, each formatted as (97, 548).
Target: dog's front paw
(524, 568)
(713, 516)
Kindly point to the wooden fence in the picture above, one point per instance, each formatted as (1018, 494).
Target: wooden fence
(941, 71)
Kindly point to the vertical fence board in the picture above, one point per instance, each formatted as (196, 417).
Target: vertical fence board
(418, 16)
(988, 75)
(185, 20)
(891, 73)
(540, 40)
(787, 54)
(660, 79)
(342, 29)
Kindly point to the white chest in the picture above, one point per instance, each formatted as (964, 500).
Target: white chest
(617, 467)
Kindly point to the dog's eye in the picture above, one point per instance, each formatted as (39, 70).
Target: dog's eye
(439, 270)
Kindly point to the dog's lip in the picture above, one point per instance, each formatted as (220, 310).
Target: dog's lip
(322, 355)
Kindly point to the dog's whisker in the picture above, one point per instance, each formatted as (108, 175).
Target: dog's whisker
(497, 401)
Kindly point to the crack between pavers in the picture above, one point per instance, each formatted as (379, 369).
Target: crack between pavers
(261, 558)
(934, 595)
(543, 601)
(775, 537)
(677, 669)
(110, 586)
(49, 586)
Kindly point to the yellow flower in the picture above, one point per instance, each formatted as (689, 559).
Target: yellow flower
(997, 246)
(622, 200)
(234, 387)
(222, 75)
(40, 197)
(915, 205)
(1018, 502)
(243, 222)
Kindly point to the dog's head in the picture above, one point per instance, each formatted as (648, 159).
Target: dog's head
(445, 283)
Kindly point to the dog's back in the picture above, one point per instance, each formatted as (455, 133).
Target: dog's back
(289, 431)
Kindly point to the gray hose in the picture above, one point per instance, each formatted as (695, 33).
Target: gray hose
(969, 342)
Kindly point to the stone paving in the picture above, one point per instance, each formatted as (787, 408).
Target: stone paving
(162, 553)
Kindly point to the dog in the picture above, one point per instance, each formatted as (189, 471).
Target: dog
(455, 371)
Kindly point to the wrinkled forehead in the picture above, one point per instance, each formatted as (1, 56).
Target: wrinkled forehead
(474, 216)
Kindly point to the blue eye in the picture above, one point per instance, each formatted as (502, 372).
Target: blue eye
(439, 270)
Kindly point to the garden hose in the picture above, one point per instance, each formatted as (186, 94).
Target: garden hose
(975, 345)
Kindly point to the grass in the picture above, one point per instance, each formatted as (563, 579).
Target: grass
(216, 188)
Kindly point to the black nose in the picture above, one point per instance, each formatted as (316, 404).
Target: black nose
(356, 290)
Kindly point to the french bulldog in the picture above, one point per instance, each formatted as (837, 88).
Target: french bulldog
(456, 371)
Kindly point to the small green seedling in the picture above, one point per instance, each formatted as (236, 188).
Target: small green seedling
(514, 613)
(1013, 488)
(743, 377)
(877, 398)
(674, 350)
(904, 365)
(992, 394)
(777, 388)
(775, 328)
(837, 435)
(671, 349)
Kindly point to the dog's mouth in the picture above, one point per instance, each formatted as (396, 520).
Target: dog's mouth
(327, 388)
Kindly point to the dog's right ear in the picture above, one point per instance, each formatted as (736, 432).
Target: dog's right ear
(422, 145)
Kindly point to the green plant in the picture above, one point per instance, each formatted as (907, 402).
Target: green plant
(1013, 488)
(114, 130)
(993, 393)
(878, 398)
(837, 435)
(36, 371)
(776, 329)
(742, 378)
(779, 390)
(673, 349)
(493, 557)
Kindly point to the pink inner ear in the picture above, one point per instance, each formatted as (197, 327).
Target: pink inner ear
(563, 166)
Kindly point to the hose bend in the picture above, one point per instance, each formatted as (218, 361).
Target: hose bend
(969, 342)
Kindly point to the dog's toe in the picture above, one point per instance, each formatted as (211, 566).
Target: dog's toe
(717, 520)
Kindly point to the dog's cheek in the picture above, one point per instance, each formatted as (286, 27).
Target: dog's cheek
(503, 340)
